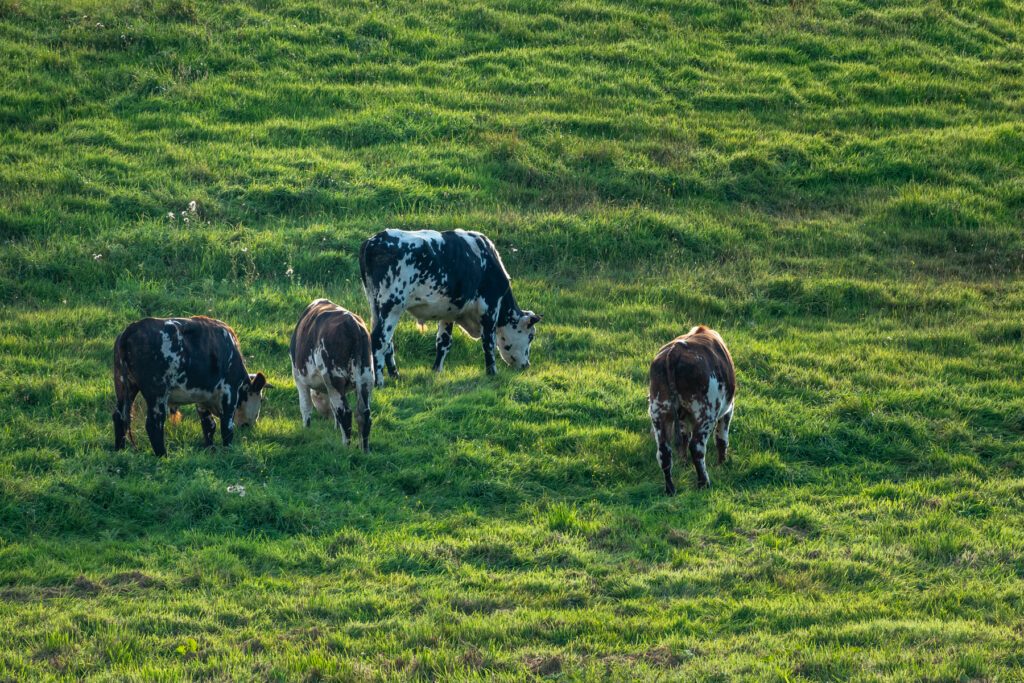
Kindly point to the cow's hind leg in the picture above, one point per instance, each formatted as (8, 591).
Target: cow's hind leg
(363, 392)
(722, 437)
(444, 342)
(662, 425)
(156, 415)
(698, 446)
(385, 321)
(209, 425)
(342, 413)
(305, 400)
(123, 415)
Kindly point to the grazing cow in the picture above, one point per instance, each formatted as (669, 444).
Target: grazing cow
(330, 351)
(175, 361)
(453, 277)
(693, 386)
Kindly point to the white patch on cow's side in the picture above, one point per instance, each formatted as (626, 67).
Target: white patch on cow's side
(470, 239)
(313, 374)
(717, 398)
(657, 408)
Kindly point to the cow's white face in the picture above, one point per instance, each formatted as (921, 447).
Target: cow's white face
(514, 340)
(248, 410)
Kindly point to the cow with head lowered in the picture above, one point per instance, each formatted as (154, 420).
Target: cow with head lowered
(454, 277)
(330, 352)
(692, 392)
(176, 361)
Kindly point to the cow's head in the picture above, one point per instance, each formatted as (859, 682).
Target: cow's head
(250, 400)
(514, 339)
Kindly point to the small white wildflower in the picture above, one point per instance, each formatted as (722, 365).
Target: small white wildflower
(97, 257)
(237, 488)
(245, 249)
(99, 25)
(192, 206)
(289, 272)
(171, 216)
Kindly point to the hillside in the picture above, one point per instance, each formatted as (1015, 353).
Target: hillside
(836, 187)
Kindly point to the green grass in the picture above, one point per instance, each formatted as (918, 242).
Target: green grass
(835, 186)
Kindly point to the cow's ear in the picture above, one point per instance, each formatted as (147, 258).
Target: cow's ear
(534, 318)
(258, 382)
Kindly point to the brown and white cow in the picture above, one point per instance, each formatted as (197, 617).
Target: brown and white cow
(330, 351)
(176, 361)
(693, 386)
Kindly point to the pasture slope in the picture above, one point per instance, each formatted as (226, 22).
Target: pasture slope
(836, 186)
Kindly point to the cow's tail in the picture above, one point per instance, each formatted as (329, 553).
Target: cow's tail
(121, 389)
(663, 369)
(364, 276)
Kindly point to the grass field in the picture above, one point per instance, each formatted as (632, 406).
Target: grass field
(837, 187)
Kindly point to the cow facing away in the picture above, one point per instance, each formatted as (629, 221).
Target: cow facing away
(693, 386)
(330, 352)
(453, 277)
(176, 361)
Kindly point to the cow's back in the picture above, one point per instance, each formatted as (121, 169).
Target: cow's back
(341, 334)
(695, 365)
(195, 352)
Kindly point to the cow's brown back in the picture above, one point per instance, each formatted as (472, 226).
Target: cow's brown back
(692, 390)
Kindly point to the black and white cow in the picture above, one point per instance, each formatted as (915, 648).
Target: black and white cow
(453, 277)
(175, 361)
(693, 389)
(330, 351)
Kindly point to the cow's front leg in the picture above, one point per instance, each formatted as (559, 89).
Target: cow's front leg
(363, 414)
(209, 425)
(443, 343)
(487, 339)
(227, 422)
(156, 415)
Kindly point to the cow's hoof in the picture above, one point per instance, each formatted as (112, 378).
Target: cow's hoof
(705, 484)
(670, 490)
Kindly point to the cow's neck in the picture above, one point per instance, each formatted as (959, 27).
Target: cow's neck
(507, 308)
